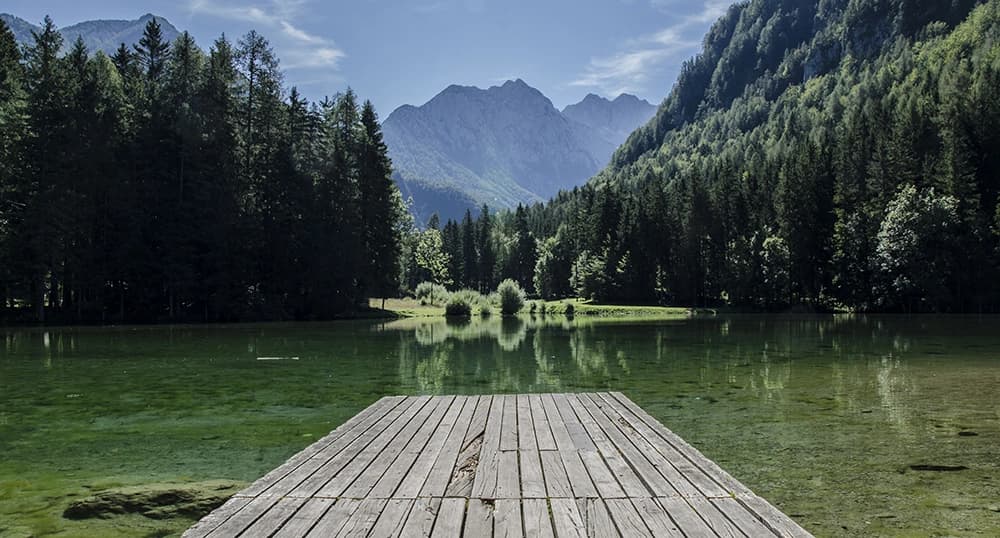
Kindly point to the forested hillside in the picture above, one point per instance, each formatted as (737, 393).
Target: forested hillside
(167, 184)
(833, 153)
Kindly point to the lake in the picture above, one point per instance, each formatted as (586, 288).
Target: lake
(830, 418)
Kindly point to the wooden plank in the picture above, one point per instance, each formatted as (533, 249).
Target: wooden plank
(274, 518)
(507, 519)
(567, 519)
(309, 478)
(579, 480)
(417, 477)
(686, 517)
(363, 519)
(390, 521)
(543, 433)
(508, 477)
(449, 521)
(400, 467)
(579, 436)
(630, 482)
(479, 518)
(370, 475)
(305, 519)
(719, 523)
(509, 429)
(627, 518)
(773, 518)
(559, 432)
(599, 521)
(658, 521)
(343, 433)
(532, 479)
(692, 454)
(652, 479)
(245, 517)
(358, 462)
(537, 522)
(477, 427)
(604, 481)
(556, 481)
(705, 485)
(484, 484)
(335, 518)
(732, 510)
(420, 521)
(441, 471)
(210, 522)
(525, 426)
(678, 481)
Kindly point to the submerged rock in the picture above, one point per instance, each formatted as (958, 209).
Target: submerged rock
(940, 468)
(156, 501)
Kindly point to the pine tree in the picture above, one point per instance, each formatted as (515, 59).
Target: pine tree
(380, 217)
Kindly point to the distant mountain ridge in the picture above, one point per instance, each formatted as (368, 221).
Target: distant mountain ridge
(503, 145)
(103, 35)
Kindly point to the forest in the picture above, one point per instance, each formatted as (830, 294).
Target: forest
(816, 156)
(168, 184)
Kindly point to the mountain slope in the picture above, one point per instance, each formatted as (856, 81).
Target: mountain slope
(104, 35)
(501, 146)
(825, 153)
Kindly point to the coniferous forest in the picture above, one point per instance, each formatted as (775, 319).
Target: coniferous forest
(815, 155)
(837, 154)
(165, 183)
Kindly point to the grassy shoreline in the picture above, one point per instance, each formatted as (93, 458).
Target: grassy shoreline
(411, 308)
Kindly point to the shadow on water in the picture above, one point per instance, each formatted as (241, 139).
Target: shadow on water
(843, 421)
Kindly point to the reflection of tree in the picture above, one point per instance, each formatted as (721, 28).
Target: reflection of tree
(513, 332)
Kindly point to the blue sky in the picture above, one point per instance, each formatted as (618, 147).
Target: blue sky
(398, 52)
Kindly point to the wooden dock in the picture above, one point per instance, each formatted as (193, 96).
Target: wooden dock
(546, 465)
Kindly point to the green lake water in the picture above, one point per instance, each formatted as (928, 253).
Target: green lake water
(822, 416)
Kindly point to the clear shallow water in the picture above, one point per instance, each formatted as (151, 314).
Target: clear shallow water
(823, 416)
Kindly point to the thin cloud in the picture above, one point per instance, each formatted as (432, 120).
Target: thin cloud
(628, 71)
(300, 49)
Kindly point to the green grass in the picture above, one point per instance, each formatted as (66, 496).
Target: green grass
(411, 308)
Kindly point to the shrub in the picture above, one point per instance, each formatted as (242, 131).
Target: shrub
(570, 310)
(511, 297)
(431, 293)
(485, 309)
(458, 306)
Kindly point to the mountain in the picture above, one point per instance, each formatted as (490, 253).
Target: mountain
(815, 154)
(502, 146)
(104, 35)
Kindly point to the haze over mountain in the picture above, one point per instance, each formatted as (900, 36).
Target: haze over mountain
(502, 146)
(104, 35)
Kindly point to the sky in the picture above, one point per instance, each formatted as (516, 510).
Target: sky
(397, 52)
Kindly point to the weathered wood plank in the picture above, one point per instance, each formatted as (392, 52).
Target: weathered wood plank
(604, 481)
(348, 430)
(525, 426)
(245, 517)
(537, 522)
(363, 519)
(369, 476)
(479, 518)
(773, 518)
(693, 455)
(532, 479)
(360, 461)
(543, 433)
(210, 522)
(420, 521)
(274, 518)
(440, 473)
(627, 518)
(306, 480)
(720, 524)
(305, 519)
(507, 519)
(567, 519)
(508, 429)
(657, 519)
(449, 518)
(508, 477)
(400, 467)
(630, 482)
(686, 518)
(556, 481)
(557, 425)
(577, 434)
(599, 521)
(390, 521)
(335, 518)
(747, 521)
